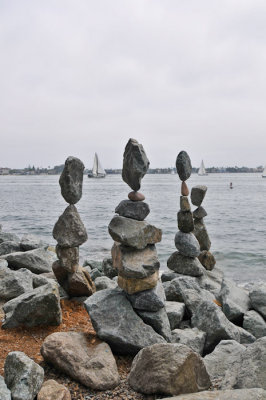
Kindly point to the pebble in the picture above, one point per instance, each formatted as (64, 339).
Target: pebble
(184, 189)
(136, 196)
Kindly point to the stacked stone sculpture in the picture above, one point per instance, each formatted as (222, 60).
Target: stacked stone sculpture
(206, 257)
(70, 233)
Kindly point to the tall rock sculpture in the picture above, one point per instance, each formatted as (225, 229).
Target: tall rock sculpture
(70, 233)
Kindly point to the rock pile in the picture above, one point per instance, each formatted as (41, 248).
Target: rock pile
(70, 233)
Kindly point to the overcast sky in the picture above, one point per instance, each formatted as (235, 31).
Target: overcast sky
(82, 76)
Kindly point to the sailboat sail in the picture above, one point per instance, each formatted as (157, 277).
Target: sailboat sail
(264, 172)
(97, 169)
(95, 165)
(202, 170)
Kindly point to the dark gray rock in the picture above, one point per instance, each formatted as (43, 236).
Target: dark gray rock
(132, 233)
(235, 301)
(133, 209)
(40, 280)
(168, 276)
(4, 391)
(185, 265)
(14, 283)
(184, 203)
(41, 306)
(175, 313)
(174, 289)
(95, 273)
(158, 320)
(199, 213)
(9, 247)
(8, 237)
(258, 298)
(31, 242)
(93, 264)
(69, 230)
(236, 394)
(103, 282)
(37, 261)
(185, 221)
(254, 324)
(148, 300)
(197, 194)
(193, 338)
(71, 180)
(115, 322)
(183, 165)
(187, 244)
(135, 164)
(108, 268)
(23, 376)
(201, 234)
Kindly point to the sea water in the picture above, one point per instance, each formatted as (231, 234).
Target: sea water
(236, 221)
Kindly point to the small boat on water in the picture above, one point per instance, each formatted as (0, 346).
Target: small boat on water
(202, 171)
(264, 172)
(97, 169)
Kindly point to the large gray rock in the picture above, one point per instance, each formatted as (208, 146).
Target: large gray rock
(211, 281)
(115, 322)
(245, 336)
(108, 268)
(183, 165)
(133, 263)
(187, 244)
(71, 180)
(175, 288)
(69, 230)
(132, 233)
(148, 300)
(199, 213)
(192, 298)
(201, 233)
(238, 394)
(8, 237)
(168, 369)
(23, 376)
(103, 282)
(258, 298)
(175, 313)
(197, 194)
(92, 365)
(185, 265)
(193, 338)
(9, 247)
(185, 221)
(254, 324)
(14, 283)
(135, 164)
(209, 318)
(30, 242)
(158, 320)
(235, 300)
(37, 261)
(41, 306)
(4, 391)
(133, 209)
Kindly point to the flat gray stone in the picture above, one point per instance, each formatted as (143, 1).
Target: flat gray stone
(133, 209)
(193, 338)
(197, 194)
(187, 244)
(8, 237)
(4, 391)
(185, 221)
(254, 324)
(71, 180)
(235, 301)
(185, 265)
(9, 247)
(158, 320)
(199, 213)
(175, 312)
(174, 289)
(258, 298)
(103, 282)
(31, 242)
(237, 394)
(69, 230)
(37, 261)
(183, 165)
(201, 233)
(14, 283)
(148, 300)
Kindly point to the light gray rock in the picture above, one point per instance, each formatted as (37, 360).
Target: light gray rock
(103, 282)
(92, 365)
(14, 283)
(41, 306)
(245, 336)
(185, 265)
(254, 324)
(3, 263)
(135, 164)
(201, 233)
(175, 312)
(115, 322)
(108, 268)
(197, 194)
(37, 261)
(148, 300)
(158, 320)
(69, 230)
(183, 165)
(238, 394)
(133, 209)
(40, 280)
(211, 281)
(187, 244)
(193, 338)
(31, 242)
(23, 376)
(199, 213)
(258, 298)
(168, 369)
(185, 221)
(71, 180)
(235, 300)
(132, 233)
(193, 297)
(168, 276)
(175, 288)
(4, 391)
(8, 237)
(9, 247)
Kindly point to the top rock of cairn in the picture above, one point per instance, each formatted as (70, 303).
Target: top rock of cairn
(183, 165)
(71, 180)
(135, 164)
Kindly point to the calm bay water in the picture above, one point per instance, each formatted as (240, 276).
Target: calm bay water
(236, 221)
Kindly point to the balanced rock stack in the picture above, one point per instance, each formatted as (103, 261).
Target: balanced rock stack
(70, 233)
(206, 257)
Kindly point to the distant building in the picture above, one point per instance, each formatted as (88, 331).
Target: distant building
(4, 171)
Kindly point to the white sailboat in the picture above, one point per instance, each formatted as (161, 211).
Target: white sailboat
(202, 171)
(97, 169)
(264, 172)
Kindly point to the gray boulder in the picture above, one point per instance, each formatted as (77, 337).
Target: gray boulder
(185, 221)
(238, 394)
(235, 300)
(185, 265)
(41, 306)
(132, 233)
(69, 230)
(115, 322)
(197, 194)
(187, 244)
(245, 336)
(14, 283)
(168, 369)
(103, 282)
(108, 268)
(193, 297)
(133, 209)
(201, 234)
(9, 247)
(4, 391)
(168, 276)
(175, 313)
(183, 165)
(175, 288)
(211, 281)
(158, 320)
(258, 298)
(148, 300)
(135, 164)
(8, 237)
(23, 376)
(193, 338)
(71, 180)
(37, 261)
(30, 242)
(254, 324)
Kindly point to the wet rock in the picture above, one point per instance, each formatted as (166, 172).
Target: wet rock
(197, 194)
(51, 390)
(9, 247)
(31, 242)
(254, 324)
(71, 180)
(184, 265)
(14, 283)
(158, 320)
(187, 244)
(258, 299)
(108, 268)
(131, 285)
(199, 213)
(175, 312)
(235, 301)
(185, 221)
(193, 338)
(207, 260)
(184, 203)
(69, 257)
(8, 237)
(238, 394)
(183, 165)
(133, 209)
(103, 282)
(201, 234)
(92, 365)
(69, 230)
(4, 391)
(168, 369)
(148, 300)
(136, 196)
(37, 261)
(23, 376)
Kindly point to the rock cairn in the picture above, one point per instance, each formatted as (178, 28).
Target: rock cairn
(70, 233)
(206, 257)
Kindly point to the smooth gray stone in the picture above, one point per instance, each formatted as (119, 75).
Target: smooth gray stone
(192, 298)
(184, 203)
(4, 391)
(103, 282)
(197, 194)
(71, 180)
(258, 298)
(185, 265)
(133, 209)
(135, 164)
(108, 268)
(8, 237)
(235, 301)
(115, 322)
(199, 213)
(132, 233)
(209, 318)
(23, 376)
(37, 261)
(69, 230)
(245, 336)
(183, 165)
(237, 394)
(223, 363)
(175, 312)
(174, 289)
(14, 283)
(148, 300)
(168, 276)
(41, 306)
(201, 234)
(9, 247)
(185, 221)
(158, 320)
(95, 273)
(187, 244)
(193, 338)
(31, 242)
(254, 323)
